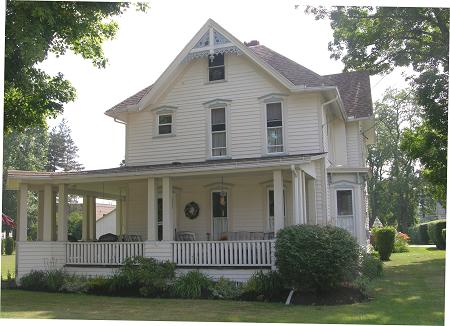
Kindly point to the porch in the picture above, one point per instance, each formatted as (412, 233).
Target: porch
(239, 212)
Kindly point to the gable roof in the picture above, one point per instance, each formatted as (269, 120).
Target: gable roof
(353, 88)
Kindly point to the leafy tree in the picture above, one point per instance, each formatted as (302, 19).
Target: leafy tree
(23, 151)
(33, 30)
(395, 184)
(74, 227)
(62, 151)
(378, 39)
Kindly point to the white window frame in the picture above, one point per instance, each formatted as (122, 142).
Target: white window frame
(218, 104)
(225, 62)
(165, 124)
(271, 188)
(268, 99)
(353, 207)
(160, 111)
(227, 190)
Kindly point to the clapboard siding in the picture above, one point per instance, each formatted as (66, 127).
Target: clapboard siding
(39, 255)
(245, 84)
(354, 148)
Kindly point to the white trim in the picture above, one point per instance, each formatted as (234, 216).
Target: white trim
(268, 189)
(269, 99)
(211, 105)
(354, 212)
(227, 190)
(225, 63)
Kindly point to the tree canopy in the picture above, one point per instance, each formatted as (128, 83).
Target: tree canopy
(378, 39)
(33, 30)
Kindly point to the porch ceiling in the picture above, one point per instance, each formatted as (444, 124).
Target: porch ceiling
(108, 180)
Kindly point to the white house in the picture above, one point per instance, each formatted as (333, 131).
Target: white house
(232, 143)
(105, 219)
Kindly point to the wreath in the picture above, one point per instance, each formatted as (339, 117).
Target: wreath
(191, 210)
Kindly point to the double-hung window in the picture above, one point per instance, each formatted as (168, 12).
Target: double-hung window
(274, 116)
(165, 124)
(218, 132)
(216, 68)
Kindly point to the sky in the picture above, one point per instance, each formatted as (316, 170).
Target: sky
(148, 42)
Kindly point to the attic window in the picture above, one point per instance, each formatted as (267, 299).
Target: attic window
(165, 124)
(216, 68)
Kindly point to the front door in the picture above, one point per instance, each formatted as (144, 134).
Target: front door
(219, 213)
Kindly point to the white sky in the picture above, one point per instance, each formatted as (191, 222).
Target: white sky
(147, 43)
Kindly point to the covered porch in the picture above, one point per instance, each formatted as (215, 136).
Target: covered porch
(240, 207)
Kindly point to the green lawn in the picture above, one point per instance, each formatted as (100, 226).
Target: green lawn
(8, 264)
(412, 292)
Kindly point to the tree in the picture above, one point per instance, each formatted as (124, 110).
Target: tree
(396, 186)
(23, 151)
(379, 39)
(62, 152)
(35, 29)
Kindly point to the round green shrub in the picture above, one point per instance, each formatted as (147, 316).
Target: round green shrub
(267, 286)
(385, 241)
(423, 233)
(314, 257)
(435, 232)
(192, 285)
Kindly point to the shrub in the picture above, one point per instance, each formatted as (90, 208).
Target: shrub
(8, 246)
(371, 266)
(143, 276)
(435, 233)
(192, 285)
(264, 287)
(98, 285)
(385, 241)
(50, 281)
(316, 257)
(74, 284)
(413, 232)
(423, 233)
(443, 235)
(225, 289)
(401, 242)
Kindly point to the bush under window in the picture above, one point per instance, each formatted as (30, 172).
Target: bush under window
(318, 258)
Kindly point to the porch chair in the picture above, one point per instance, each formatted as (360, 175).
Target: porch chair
(185, 236)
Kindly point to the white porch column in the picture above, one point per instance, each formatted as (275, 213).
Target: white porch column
(48, 213)
(278, 201)
(62, 213)
(152, 211)
(301, 197)
(168, 230)
(85, 222)
(295, 197)
(92, 218)
(40, 231)
(54, 217)
(23, 217)
(119, 212)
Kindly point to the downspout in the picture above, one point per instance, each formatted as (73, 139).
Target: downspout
(118, 121)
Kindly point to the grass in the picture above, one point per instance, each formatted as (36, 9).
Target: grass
(8, 264)
(412, 292)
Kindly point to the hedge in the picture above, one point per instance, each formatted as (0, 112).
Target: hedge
(385, 239)
(435, 233)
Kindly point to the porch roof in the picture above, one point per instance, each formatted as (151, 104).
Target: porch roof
(159, 170)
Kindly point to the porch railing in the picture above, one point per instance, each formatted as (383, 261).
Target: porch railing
(223, 253)
(102, 253)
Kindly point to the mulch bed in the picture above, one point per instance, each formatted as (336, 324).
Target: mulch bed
(343, 295)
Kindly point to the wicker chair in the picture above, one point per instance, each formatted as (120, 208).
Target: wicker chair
(185, 236)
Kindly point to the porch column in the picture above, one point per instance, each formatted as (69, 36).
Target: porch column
(278, 201)
(40, 224)
(62, 213)
(152, 211)
(301, 197)
(23, 217)
(295, 197)
(119, 217)
(167, 209)
(85, 222)
(48, 213)
(92, 218)
(54, 217)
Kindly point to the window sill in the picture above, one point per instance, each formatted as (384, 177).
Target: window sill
(164, 136)
(215, 158)
(216, 82)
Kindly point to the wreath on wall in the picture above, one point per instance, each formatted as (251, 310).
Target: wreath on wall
(191, 210)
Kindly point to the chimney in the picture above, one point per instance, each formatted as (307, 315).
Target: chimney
(252, 43)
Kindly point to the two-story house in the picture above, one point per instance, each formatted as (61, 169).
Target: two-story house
(232, 143)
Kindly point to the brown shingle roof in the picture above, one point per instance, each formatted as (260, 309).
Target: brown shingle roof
(354, 87)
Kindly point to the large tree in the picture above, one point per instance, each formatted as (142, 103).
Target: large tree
(33, 30)
(379, 39)
(396, 186)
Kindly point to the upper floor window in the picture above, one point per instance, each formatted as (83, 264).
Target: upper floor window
(165, 124)
(274, 127)
(216, 68)
(218, 132)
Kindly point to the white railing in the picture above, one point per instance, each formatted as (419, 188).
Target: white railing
(102, 253)
(223, 253)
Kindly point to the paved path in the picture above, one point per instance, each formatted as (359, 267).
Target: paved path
(422, 246)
